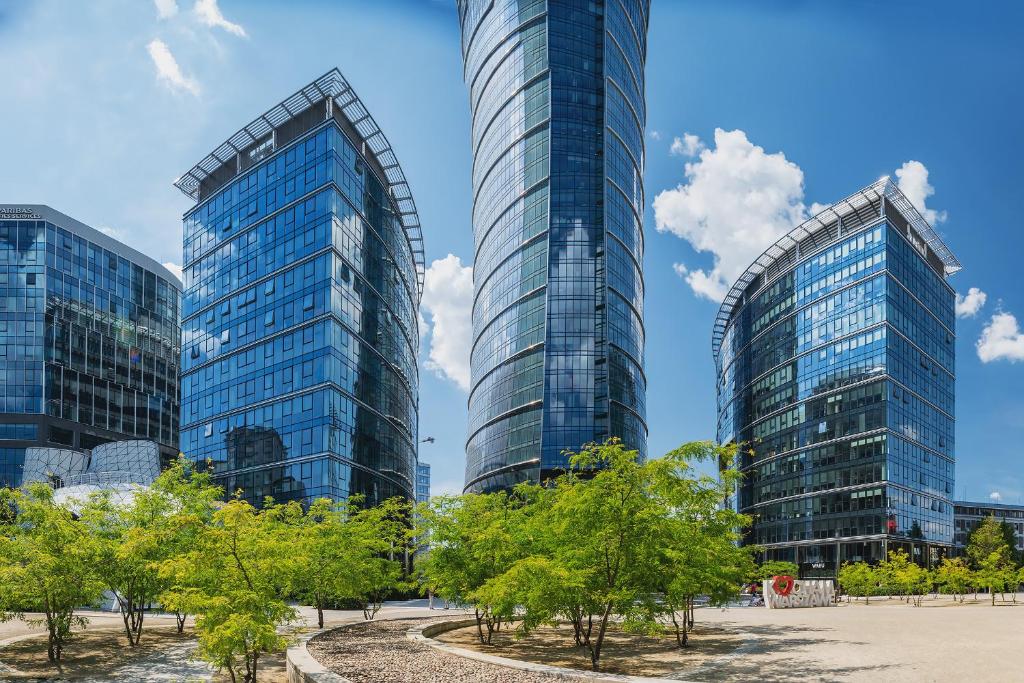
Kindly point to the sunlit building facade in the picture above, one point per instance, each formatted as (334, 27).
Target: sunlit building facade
(303, 274)
(835, 361)
(556, 91)
(89, 340)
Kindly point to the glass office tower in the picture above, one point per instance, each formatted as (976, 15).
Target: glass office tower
(556, 91)
(89, 340)
(303, 274)
(834, 354)
(422, 482)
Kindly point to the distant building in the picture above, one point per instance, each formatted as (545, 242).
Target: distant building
(303, 274)
(967, 516)
(835, 361)
(422, 482)
(89, 341)
(556, 92)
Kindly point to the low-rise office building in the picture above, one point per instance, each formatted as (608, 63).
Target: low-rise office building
(967, 516)
(835, 361)
(89, 340)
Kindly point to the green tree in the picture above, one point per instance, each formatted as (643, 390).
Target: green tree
(892, 573)
(383, 534)
(859, 580)
(331, 553)
(474, 538)
(987, 538)
(954, 576)
(234, 578)
(46, 563)
(993, 572)
(193, 498)
(129, 550)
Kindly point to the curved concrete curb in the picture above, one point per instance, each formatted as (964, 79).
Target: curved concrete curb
(302, 668)
(424, 634)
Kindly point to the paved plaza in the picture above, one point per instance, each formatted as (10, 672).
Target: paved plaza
(884, 641)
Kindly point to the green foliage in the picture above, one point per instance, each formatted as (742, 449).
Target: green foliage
(47, 563)
(859, 579)
(233, 578)
(954, 577)
(612, 538)
(987, 538)
(771, 568)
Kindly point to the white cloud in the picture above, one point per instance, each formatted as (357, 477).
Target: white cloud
(967, 306)
(995, 496)
(166, 9)
(448, 300)
(737, 200)
(1001, 340)
(174, 268)
(913, 182)
(112, 232)
(655, 134)
(209, 14)
(167, 68)
(687, 146)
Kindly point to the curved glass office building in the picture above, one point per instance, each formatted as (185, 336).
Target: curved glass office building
(303, 274)
(835, 361)
(556, 91)
(89, 341)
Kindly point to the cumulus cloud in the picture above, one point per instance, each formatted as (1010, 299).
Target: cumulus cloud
(655, 134)
(967, 306)
(736, 201)
(912, 179)
(1001, 339)
(448, 301)
(167, 68)
(174, 268)
(165, 9)
(209, 14)
(687, 146)
(995, 496)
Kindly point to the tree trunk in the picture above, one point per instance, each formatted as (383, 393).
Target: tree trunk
(479, 626)
(180, 617)
(320, 613)
(602, 629)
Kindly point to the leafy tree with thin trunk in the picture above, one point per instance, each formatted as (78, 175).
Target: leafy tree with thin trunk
(954, 577)
(859, 580)
(993, 572)
(234, 578)
(46, 564)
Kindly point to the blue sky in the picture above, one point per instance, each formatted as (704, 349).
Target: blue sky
(105, 103)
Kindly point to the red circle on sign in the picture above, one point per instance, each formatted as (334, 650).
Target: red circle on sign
(783, 585)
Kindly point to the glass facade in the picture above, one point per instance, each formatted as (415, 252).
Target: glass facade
(302, 285)
(422, 482)
(967, 516)
(89, 340)
(556, 91)
(835, 361)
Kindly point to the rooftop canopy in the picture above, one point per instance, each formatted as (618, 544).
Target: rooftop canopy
(821, 230)
(331, 86)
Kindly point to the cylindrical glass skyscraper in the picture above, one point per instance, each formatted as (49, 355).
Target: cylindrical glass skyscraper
(556, 91)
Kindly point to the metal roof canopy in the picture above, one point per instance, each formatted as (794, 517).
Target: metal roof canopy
(332, 85)
(884, 187)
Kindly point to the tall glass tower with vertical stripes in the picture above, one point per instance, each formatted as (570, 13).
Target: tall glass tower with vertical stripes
(556, 90)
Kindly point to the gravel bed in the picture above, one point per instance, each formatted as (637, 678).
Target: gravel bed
(379, 652)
